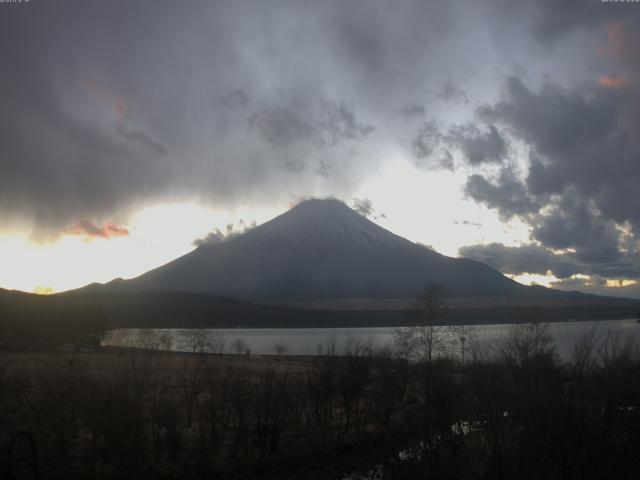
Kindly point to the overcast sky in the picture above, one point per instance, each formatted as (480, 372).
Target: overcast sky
(502, 130)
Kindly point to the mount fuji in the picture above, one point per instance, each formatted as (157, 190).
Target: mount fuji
(318, 250)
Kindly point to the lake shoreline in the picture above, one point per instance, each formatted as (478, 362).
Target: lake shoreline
(309, 342)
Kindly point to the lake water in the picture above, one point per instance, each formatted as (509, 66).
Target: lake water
(311, 341)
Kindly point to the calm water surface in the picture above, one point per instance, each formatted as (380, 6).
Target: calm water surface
(311, 341)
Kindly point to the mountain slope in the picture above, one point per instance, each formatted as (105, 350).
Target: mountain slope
(320, 249)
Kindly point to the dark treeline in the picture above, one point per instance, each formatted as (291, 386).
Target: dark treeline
(510, 411)
(37, 322)
(41, 322)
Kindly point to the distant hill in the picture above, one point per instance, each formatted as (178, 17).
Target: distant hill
(40, 321)
(320, 249)
(171, 309)
(28, 320)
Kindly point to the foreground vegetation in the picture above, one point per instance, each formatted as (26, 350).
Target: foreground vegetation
(510, 411)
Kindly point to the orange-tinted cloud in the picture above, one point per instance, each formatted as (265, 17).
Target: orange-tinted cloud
(621, 43)
(89, 230)
(615, 81)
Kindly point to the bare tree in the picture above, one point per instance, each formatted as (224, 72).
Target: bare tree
(218, 342)
(166, 341)
(190, 379)
(148, 339)
(196, 340)
(357, 346)
(527, 341)
(328, 348)
(426, 337)
(279, 349)
(239, 346)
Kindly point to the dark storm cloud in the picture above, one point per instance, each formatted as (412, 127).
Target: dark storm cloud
(569, 224)
(583, 165)
(579, 189)
(111, 106)
(479, 146)
(538, 259)
(572, 224)
(570, 241)
(432, 145)
(507, 194)
(341, 123)
(57, 166)
(532, 259)
(583, 158)
(322, 123)
(582, 142)
(429, 147)
(555, 120)
(581, 248)
(281, 126)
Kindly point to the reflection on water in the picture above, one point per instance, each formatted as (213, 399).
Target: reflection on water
(311, 341)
